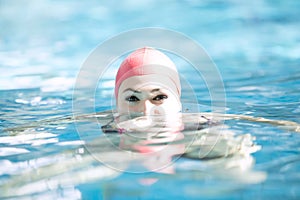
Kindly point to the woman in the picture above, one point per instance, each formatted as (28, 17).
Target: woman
(147, 83)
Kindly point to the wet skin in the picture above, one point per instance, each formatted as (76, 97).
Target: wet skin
(136, 95)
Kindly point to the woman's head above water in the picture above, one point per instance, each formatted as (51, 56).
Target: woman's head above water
(147, 83)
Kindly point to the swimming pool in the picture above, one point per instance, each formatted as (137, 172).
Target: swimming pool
(43, 45)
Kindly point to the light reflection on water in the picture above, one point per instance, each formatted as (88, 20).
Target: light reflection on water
(52, 158)
(197, 151)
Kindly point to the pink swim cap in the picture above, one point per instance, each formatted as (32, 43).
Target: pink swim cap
(146, 61)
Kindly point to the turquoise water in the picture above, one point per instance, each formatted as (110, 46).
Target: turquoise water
(43, 44)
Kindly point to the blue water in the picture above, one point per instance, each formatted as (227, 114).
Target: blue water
(255, 46)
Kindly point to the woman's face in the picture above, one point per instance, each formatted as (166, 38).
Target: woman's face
(148, 95)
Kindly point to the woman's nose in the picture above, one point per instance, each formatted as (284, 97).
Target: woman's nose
(148, 106)
(151, 109)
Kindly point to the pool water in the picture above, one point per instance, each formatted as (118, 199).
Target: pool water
(47, 154)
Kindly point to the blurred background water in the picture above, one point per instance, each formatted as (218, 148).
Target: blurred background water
(255, 45)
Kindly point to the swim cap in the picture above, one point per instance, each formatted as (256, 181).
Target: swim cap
(146, 61)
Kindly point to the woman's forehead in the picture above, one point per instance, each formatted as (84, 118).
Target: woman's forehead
(148, 83)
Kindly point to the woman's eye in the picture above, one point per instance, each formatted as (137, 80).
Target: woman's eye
(160, 97)
(132, 99)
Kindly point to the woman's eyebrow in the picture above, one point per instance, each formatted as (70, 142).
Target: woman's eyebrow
(155, 90)
(136, 91)
(132, 90)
